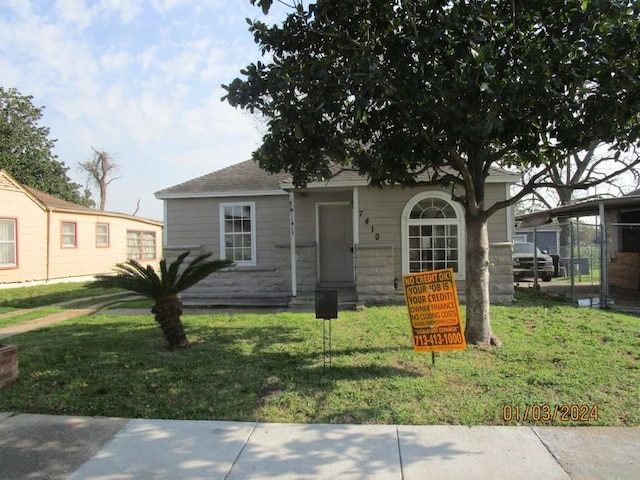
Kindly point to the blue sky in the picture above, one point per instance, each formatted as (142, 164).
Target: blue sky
(140, 79)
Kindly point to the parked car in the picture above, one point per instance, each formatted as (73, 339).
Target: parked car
(523, 266)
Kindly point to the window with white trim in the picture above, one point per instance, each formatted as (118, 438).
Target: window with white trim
(141, 245)
(102, 234)
(69, 238)
(238, 233)
(8, 251)
(433, 234)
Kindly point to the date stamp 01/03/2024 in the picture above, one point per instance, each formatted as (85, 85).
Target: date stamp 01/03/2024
(550, 413)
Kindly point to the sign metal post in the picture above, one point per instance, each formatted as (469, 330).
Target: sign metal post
(326, 310)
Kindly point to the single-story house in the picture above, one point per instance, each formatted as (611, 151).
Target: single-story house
(44, 238)
(286, 242)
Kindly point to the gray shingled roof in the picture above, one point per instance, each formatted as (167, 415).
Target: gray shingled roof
(248, 177)
(245, 176)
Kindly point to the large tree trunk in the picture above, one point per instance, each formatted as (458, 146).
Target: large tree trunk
(167, 313)
(478, 328)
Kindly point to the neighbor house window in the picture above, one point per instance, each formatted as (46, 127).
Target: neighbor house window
(141, 245)
(238, 233)
(69, 237)
(102, 234)
(432, 234)
(8, 247)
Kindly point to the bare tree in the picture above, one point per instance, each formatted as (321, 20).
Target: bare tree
(598, 171)
(100, 170)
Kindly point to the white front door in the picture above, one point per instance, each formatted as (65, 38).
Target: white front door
(335, 237)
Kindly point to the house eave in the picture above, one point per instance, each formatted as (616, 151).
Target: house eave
(364, 183)
(584, 209)
(100, 213)
(237, 193)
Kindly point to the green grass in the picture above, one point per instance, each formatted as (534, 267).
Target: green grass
(269, 367)
(44, 300)
(45, 295)
(143, 303)
(26, 316)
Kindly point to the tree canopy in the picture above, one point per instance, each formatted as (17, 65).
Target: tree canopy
(26, 149)
(395, 89)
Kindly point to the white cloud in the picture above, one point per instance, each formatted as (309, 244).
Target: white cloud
(182, 66)
(74, 12)
(115, 59)
(214, 64)
(139, 80)
(166, 5)
(114, 97)
(126, 9)
(22, 8)
(148, 57)
(181, 91)
(51, 59)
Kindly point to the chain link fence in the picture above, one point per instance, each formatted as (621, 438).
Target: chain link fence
(580, 251)
(580, 263)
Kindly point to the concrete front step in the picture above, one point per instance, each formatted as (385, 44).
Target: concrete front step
(235, 302)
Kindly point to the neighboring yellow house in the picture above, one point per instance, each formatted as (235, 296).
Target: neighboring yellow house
(44, 238)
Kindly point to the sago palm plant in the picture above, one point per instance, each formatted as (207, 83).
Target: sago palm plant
(164, 289)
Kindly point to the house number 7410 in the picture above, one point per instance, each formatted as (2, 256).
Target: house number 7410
(366, 221)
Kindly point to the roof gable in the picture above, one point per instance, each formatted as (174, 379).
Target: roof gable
(50, 202)
(245, 176)
(44, 199)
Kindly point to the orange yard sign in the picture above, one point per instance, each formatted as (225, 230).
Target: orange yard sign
(432, 301)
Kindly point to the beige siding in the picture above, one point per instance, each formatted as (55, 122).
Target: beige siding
(31, 235)
(195, 224)
(41, 256)
(305, 204)
(498, 223)
(380, 220)
(307, 233)
(87, 258)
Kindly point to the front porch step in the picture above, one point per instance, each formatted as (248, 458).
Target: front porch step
(212, 302)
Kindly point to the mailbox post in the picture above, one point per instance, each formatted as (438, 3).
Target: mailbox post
(326, 310)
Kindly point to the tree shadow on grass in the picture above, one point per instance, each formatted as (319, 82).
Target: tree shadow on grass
(119, 368)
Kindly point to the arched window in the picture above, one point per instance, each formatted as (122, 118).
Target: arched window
(432, 234)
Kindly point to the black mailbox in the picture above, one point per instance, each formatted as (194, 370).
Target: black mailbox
(326, 304)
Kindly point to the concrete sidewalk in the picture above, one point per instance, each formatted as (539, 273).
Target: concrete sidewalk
(60, 447)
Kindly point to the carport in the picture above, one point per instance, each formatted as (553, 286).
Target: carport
(619, 244)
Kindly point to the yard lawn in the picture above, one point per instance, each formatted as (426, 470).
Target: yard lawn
(270, 368)
(20, 304)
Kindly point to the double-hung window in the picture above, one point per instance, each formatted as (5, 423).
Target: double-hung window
(141, 245)
(238, 233)
(8, 251)
(102, 235)
(69, 235)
